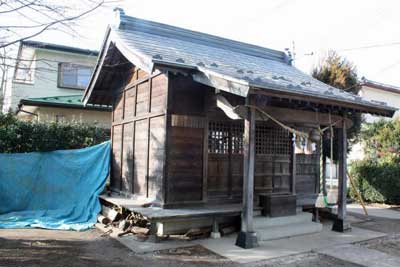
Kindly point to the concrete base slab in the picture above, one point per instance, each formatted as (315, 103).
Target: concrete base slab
(226, 247)
(362, 256)
(285, 231)
(287, 246)
(375, 211)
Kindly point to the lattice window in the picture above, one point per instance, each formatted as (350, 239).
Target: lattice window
(227, 137)
(237, 138)
(272, 140)
(218, 137)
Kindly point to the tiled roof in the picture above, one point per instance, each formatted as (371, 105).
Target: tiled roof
(72, 101)
(148, 44)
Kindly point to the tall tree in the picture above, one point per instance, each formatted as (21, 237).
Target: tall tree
(338, 72)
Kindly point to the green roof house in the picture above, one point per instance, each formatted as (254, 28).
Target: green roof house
(48, 82)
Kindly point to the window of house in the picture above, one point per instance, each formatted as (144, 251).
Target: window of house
(73, 75)
(25, 71)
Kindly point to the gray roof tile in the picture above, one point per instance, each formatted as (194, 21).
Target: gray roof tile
(259, 67)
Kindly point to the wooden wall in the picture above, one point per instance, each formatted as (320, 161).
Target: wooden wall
(307, 178)
(185, 144)
(160, 139)
(138, 135)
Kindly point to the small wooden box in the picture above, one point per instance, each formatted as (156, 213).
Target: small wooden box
(278, 205)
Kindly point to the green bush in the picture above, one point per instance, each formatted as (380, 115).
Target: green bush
(377, 177)
(377, 182)
(21, 136)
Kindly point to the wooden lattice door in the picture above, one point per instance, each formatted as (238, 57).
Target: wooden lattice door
(225, 160)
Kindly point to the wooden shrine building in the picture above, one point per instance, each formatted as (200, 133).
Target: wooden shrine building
(200, 120)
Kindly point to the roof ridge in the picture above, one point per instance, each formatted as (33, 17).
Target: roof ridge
(127, 23)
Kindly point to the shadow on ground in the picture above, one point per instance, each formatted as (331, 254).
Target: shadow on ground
(89, 250)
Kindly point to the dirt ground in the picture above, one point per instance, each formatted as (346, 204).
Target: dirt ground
(45, 248)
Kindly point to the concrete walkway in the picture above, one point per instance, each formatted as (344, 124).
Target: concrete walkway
(286, 247)
(375, 211)
(361, 255)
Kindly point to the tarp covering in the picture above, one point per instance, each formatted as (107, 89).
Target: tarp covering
(53, 190)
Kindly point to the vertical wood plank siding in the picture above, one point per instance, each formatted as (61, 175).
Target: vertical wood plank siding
(138, 135)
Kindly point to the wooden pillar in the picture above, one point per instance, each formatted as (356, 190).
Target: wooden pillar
(247, 238)
(293, 165)
(340, 224)
(324, 193)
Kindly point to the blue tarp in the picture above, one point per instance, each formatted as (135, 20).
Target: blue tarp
(53, 190)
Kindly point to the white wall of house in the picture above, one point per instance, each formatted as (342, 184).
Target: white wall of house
(45, 77)
(371, 93)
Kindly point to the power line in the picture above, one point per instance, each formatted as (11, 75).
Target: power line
(368, 46)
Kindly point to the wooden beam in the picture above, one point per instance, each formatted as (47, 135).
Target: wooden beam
(247, 238)
(335, 103)
(340, 224)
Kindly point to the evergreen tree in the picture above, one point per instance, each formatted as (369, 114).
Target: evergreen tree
(338, 72)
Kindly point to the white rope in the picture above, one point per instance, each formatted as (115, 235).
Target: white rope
(294, 131)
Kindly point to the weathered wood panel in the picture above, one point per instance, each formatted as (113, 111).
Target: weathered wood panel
(218, 176)
(156, 157)
(237, 175)
(127, 157)
(185, 166)
(158, 93)
(116, 158)
(187, 96)
(140, 158)
(118, 112)
(307, 173)
(142, 98)
(139, 135)
(129, 107)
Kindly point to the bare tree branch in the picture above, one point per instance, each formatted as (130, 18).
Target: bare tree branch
(52, 24)
(17, 8)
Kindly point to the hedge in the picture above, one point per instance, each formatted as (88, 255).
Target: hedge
(377, 182)
(22, 136)
(377, 177)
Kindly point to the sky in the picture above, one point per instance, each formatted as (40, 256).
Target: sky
(366, 32)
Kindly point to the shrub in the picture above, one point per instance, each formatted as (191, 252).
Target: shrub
(377, 177)
(377, 182)
(21, 136)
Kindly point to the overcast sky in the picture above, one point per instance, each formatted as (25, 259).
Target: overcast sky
(366, 32)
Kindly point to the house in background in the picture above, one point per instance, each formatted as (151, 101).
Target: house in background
(48, 82)
(378, 93)
(63, 108)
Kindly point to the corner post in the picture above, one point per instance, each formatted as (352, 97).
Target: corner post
(247, 238)
(293, 164)
(340, 224)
